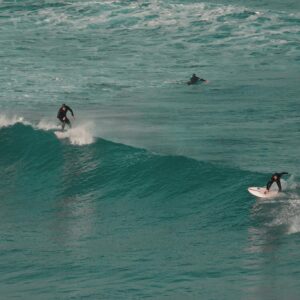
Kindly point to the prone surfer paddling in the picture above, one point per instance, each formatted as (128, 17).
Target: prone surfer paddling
(62, 116)
(275, 178)
(194, 79)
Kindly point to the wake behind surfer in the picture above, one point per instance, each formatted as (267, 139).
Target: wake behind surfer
(275, 178)
(62, 116)
(194, 79)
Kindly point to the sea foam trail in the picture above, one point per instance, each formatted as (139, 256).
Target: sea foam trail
(280, 214)
(47, 125)
(6, 121)
(289, 215)
(80, 134)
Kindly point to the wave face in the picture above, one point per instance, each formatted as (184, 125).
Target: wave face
(146, 196)
(34, 155)
(130, 222)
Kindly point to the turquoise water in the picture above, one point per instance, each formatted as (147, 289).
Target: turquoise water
(146, 196)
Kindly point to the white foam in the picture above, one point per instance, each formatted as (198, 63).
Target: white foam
(293, 206)
(294, 225)
(284, 211)
(288, 213)
(292, 183)
(81, 134)
(6, 121)
(47, 125)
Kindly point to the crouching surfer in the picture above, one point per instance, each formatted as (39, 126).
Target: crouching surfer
(62, 116)
(275, 178)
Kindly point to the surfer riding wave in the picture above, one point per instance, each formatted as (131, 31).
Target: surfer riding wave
(62, 116)
(275, 178)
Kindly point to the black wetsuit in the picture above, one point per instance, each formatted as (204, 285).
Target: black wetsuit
(62, 115)
(275, 178)
(194, 79)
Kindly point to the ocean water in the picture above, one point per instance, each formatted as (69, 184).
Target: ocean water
(146, 196)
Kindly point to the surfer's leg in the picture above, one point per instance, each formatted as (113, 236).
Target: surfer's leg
(62, 122)
(67, 121)
(279, 185)
(269, 184)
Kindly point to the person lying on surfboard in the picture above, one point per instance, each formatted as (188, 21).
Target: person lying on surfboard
(275, 178)
(62, 116)
(194, 79)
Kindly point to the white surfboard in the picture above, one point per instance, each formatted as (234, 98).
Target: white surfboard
(262, 192)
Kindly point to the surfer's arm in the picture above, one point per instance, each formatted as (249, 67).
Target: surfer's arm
(283, 173)
(71, 111)
(269, 185)
(203, 80)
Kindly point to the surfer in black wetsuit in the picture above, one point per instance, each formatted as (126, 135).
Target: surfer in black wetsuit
(62, 116)
(194, 79)
(275, 178)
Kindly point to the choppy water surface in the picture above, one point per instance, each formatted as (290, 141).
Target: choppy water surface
(146, 196)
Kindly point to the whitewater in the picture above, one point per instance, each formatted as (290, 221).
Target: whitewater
(146, 195)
